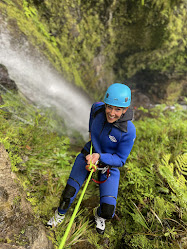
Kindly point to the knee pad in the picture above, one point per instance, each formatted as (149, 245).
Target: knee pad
(68, 193)
(107, 210)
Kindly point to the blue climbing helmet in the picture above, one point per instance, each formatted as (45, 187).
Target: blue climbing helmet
(118, 95)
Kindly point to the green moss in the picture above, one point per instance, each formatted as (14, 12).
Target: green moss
(173, 91)
(130, 36)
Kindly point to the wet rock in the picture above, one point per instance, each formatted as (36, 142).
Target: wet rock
(5, 81)
(140, 100)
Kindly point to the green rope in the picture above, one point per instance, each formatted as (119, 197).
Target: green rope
(77, 206)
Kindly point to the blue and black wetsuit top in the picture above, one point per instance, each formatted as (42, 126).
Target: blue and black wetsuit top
(113, 141)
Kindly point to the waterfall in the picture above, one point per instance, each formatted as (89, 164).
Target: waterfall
(42, 84)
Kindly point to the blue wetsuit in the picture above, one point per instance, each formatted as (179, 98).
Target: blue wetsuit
(113, 141)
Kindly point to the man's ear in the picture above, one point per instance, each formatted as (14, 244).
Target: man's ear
(124, 110)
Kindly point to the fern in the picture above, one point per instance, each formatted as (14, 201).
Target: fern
(181, 164)
(176, 182)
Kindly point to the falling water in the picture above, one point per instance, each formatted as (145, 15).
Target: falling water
(42, 84)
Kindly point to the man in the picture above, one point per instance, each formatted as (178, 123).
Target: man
(112, 136)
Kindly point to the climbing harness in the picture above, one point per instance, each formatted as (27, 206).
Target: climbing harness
(103, 171)
(95, 167)
(77, 206)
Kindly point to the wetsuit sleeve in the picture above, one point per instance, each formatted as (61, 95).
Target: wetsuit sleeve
(124, 148)
(94, 108)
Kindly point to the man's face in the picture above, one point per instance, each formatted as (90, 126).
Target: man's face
(113, 113)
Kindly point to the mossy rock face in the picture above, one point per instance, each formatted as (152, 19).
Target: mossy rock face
(94, 44)
(159, 87)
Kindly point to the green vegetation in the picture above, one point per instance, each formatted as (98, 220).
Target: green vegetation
(40, 156)
(152, 202)
(153, 187)
(94, 43)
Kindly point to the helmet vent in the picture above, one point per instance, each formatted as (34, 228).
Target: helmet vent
(107, 95)
(126, 99)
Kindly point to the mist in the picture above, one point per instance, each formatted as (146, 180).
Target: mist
(42, 84)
